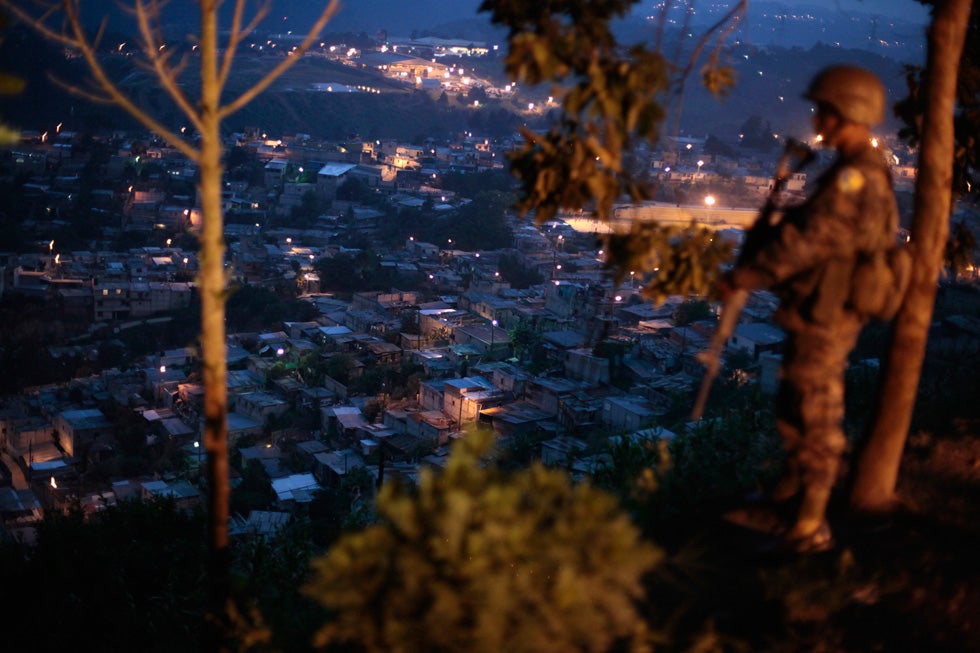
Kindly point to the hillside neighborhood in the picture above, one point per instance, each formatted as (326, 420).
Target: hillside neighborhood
(380, 380)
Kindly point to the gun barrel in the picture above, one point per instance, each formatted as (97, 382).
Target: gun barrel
(711, 357)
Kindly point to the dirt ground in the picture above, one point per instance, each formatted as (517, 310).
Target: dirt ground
(906, 582)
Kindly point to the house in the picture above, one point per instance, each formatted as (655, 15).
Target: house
(331, 177)
(345, 421)
(260, 405)
(78, 429)
(20, 512)
(490, 340)
(463, 399)
(239, 426)
(757, 338)
(504, 376)
(627, 413)
(432, 393)
(267, 455)
(306, 451)
(548, 393)
(330, 467)
(378, 352)
(263, 524)
(296, 488)
(558, 343)
(561, 450)
(184, 495)
(430, 426)
(514, 419)
(274, 171)
(582, 364)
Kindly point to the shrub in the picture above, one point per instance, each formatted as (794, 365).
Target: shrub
(477, 559)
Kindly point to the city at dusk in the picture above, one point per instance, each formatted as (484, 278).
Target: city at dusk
(489, 326)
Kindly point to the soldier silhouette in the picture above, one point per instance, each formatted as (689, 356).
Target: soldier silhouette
(808, 260)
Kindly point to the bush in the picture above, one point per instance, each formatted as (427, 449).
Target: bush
(478, 559)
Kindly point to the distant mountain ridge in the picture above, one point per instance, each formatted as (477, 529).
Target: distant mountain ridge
(774, 95)
(395, 16)
(870, 24)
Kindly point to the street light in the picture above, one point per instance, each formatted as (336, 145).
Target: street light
(163, 370)
(493, 325)
(700, 163)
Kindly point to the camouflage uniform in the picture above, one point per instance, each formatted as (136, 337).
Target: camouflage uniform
(808, 260)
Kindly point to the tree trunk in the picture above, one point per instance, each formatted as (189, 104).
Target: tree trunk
(213, 288)
(877, 468)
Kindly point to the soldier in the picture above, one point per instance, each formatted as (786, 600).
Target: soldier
(808, 260)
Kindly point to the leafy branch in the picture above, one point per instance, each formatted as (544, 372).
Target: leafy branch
(612, 105)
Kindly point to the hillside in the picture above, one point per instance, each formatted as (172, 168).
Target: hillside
(399, 111)
(909, 582)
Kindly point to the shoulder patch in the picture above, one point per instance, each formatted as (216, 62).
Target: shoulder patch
(850, 180)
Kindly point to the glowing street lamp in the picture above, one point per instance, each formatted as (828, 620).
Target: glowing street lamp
(700, 163)
(709, 201)
(163, 370)
(493, 326)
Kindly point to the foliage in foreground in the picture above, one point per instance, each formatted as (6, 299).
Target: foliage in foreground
(481, 560)
(126, 579)
(610, 108)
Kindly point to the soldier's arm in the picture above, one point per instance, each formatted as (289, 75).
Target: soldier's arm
(821, 228)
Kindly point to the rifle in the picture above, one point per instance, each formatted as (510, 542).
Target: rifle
(801, 155)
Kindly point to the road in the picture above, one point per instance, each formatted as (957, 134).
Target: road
(18, 480)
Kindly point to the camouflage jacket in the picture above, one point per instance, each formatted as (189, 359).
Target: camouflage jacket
(808, 258)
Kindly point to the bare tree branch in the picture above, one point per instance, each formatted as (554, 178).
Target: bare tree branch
(94, 95)
(75, 37)
(662, 25)
(154, 48)
(719, 31)
(238, 34)
(285, 64)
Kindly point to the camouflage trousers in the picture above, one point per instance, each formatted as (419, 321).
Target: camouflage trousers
(810, 402)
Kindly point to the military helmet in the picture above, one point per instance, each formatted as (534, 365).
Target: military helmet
(853, 92)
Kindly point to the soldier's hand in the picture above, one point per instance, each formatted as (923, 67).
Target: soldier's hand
(725, 287)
